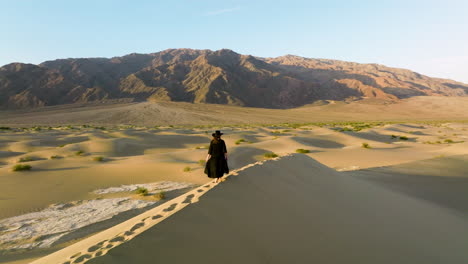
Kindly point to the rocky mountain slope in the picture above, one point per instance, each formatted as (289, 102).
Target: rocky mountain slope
(205, 76)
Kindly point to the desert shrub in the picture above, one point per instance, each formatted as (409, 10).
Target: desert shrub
(393, 136)
(79, 153)
(160, 195)
(63, 145)
(403, 138)
(99, 158)
(141, 191)
(366, 145)
(187, 169)
(26, 159)
(55, 157)
(345, 129)
(302, 151)
(5, 128)
(270, 155)
(21, 167)
(239, 141)
(448, 141)
(201, 162)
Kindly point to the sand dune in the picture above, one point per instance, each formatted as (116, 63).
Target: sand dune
(64, 172)
(296, 210)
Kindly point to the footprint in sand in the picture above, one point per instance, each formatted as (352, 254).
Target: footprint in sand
(94, 248)
(137, 226)
(207, 186)
(128, 233)
(76, 255)
(156, 217)
(82, 258)
(200, 190)
(189, 198)
(118, 239)
(99, 253)
(170, 208)
(109, 246)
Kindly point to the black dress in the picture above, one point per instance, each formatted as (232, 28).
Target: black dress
(217, 164)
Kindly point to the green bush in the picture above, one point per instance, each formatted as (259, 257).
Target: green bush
(55, 157)
(366, 145)
(270, 155)
(201, 162)
(21, 167)
(403, 138)
(239, 141)
(160, 196)
(79, 153)
(26, 159)
(448, 141)
(99, 158)
(187, 169)
(346, 129)
(141, 191)
(5, 128)
(302, 151)
(393, 136)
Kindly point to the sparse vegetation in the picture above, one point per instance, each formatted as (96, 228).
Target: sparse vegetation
(21, 167)
(98, 158)
(26, 159)
(5, 128)
(393, 136)
(55, 157)
(302, 151)
(449, 141)
(79, 153)
(160, 195)
(187, 169)
(63, 145)
(141, 191)
(345, 129)
(202, 162)
(239, 141)
(366, 145)
(270, 155)
(403, 138)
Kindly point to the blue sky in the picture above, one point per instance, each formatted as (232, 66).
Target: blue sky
(430, 37)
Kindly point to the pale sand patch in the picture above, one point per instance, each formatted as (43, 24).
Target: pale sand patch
(42, 229)
(151, 187)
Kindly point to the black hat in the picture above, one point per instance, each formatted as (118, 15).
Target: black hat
(217, 133)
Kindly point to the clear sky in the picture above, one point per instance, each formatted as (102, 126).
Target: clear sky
(427, 36)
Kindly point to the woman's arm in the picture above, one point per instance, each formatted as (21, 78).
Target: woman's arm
(208, 157)
(225, 150)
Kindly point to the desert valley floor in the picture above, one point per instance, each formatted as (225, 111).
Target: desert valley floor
(107, 184)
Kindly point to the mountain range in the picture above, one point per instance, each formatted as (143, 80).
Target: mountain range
(205, 76)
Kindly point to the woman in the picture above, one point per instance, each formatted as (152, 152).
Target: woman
(216, 160)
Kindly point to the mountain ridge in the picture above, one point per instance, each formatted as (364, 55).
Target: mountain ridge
(205, 76)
